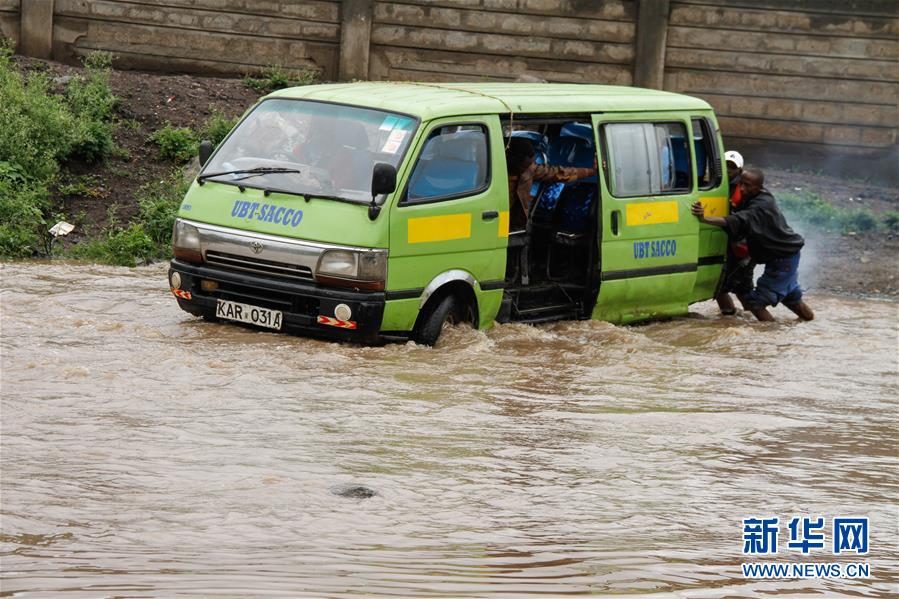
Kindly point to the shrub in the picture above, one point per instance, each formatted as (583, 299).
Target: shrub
(120, 246)
(859, 220)
(891, 220)
(217, 127)
(277, 77)
(38, 128)
(92, 103)
(178, 144)
(810, 208)
(159, 202)
(23, 228)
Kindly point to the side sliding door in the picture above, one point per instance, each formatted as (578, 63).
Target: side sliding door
(650, 241)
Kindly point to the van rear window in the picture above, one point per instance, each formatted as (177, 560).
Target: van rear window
(647, 159)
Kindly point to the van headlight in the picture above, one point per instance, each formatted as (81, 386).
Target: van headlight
(362, 269)
(186, 242)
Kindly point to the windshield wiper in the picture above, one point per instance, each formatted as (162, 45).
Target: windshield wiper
(267, 191)
(251, 172)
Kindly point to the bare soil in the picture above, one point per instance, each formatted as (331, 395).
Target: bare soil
(857, 264)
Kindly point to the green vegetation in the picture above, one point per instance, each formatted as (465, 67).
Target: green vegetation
(217, 127)
(809, 208)
(178, 144)
(149, 236)
(277, 77)
(41, 131)
(93, 104)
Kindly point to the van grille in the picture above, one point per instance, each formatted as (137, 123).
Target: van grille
(281, 270)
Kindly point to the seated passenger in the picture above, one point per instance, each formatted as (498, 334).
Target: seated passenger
(523, 171)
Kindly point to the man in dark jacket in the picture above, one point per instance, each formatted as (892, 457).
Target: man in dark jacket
(771, 242)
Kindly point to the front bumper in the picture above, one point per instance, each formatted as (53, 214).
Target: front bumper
(301, 303)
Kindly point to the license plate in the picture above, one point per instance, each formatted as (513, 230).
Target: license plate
(262, 317)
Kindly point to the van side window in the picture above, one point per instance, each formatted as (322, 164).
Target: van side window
(647, 158)
(708, 166)
(452, 164)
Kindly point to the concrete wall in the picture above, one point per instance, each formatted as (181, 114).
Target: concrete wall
(9, 20)
(814, 82)
(453, 40)
(806, 82)
(220, 36)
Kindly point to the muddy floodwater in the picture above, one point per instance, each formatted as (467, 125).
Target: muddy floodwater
(146, 453)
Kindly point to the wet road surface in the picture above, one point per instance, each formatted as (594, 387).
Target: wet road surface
(147, 453)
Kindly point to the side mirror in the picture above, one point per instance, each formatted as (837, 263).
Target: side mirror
(206, 149)
(383, 180)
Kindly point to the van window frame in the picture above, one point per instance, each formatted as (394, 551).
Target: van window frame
(710, 133)
(404, 198)
(608, 151)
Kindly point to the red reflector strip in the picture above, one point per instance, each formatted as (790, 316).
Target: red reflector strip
(181, 293)
(333, 322)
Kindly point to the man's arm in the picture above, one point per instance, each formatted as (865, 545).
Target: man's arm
(699, 213)
(543, 172)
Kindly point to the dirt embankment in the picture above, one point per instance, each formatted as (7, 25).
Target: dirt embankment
(860, 263)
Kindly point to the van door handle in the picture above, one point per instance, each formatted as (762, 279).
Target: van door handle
(616, 215)
(489, 214)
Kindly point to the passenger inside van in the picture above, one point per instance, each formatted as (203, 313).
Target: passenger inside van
(523, 172)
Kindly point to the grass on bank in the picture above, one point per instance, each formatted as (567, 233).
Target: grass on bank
(810, 209)
(277, 77)
(180, 144)
(44, 129)
(149, 236)
(50, 124)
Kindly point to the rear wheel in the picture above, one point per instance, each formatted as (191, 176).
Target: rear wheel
(438, 315)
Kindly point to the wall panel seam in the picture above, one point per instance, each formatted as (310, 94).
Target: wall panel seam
(200, 30)
(202, 9)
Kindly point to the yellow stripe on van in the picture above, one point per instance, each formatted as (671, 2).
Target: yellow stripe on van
(715, 206)
(503, 227)
(651, 213)
(439, 228)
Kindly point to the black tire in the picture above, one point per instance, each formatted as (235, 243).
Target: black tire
(437, 314)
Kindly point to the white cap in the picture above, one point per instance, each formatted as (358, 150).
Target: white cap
(734, 157)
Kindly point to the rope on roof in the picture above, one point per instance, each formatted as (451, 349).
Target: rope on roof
(475, 93)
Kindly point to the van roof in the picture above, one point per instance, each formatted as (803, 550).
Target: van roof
(433, 100)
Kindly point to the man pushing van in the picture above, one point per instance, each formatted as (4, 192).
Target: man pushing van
(771, 242)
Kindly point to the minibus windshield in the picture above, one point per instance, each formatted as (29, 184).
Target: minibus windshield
(311, 148)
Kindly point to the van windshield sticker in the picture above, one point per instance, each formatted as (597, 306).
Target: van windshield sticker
(389, 123)
(394, 141)
(657, 248)
(267, 213)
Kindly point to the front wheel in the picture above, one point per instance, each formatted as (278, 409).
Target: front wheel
(438, 315)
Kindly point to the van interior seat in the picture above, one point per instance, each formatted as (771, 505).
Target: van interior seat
(350, 161)
(701, 158)
(681, 161)
(573, 148)
(451, 164)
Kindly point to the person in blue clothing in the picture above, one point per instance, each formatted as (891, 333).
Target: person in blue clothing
(771, 242)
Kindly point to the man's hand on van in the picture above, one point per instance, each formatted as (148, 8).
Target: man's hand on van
(699, 212)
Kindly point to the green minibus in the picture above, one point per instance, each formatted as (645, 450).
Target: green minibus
(377, 211)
